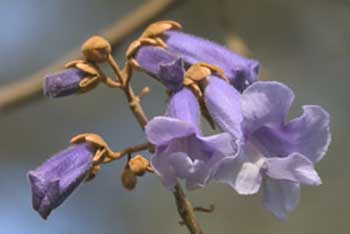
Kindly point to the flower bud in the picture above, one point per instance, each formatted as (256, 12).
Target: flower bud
(128, 178)
(56, 179)
(96, 49)
(138, 165)
(63, 83)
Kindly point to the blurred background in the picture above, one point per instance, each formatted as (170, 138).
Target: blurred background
(304, 44)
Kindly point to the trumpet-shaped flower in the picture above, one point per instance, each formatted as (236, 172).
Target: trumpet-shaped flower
(277, 153)
(57, 178)
(182, 151)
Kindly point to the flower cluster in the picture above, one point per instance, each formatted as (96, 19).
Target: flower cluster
(257, 147)
(264, 148)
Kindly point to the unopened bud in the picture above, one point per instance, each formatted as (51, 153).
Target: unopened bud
(138, 165)
(128, 178)
(96, 49)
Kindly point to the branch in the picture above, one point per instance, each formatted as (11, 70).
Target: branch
(186, 211)
(30, 88)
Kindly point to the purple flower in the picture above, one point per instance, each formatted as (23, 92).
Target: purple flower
(56, 179)
(63, 83)
(241, 71)
(182, 151)
(274, 152)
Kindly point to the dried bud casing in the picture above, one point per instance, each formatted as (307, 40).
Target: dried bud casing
(96, 49)
(138, 165)
(128, 178)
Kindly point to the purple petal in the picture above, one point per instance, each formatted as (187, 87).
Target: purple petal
(223, 103)
(56, 179)
(308, 135)
(281, 197)
(172, 165)
(63, 83)
(172, 75)
(163, 65)
(161, 130)
(190, 157)
(264, 103)
(183, 105)
(243, 171)
(295, 167)
(162, 167)
(240, 70)
(223, 143)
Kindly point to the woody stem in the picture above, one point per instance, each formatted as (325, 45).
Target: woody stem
(134, 101)
(186, 211)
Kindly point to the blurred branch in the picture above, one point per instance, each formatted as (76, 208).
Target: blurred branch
(30, 88)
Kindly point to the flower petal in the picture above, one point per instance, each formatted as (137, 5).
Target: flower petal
(183, 105)
(308, 135)
(161, 130)
(162, 65)
(243, 176)
(170, 166)
(160, 164)
(172, 74)
(281, 196)
(223, 103)
(240, 70)
(295, 167)
(264, 103)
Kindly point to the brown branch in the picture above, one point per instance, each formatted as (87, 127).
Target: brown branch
(30, 88)
(186, 211)
(126, 151)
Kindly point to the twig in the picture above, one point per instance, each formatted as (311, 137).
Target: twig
(186, 211)
(30, 88)
(127, 151)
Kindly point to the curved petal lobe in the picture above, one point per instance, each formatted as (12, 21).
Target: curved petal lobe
(281, 196)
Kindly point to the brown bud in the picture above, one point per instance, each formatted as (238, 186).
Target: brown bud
(138, 165)
(96, 49)
(128, 178)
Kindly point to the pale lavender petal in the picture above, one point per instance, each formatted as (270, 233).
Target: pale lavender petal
(295, 167)
(162, 167)
(161, 130)
(181, 164)
(206, 154)
(308, 135)
(265, 103)
(223, 143)
(191, 158)
(56, 179)
(281, 196)
(240, 70)
(242, 173)
(183, 105)
(223, 103)
(63, 83)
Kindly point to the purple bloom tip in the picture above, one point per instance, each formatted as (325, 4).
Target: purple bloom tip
(63, 83)
(56, 179)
